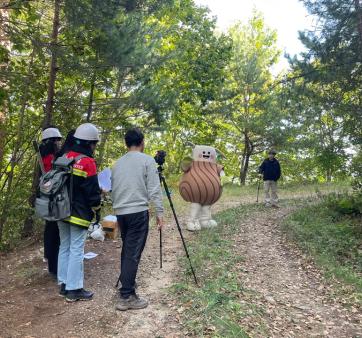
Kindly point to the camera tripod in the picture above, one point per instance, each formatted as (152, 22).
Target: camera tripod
(168, 194)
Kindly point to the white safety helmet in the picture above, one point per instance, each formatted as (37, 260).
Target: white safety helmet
(51, 133)
(87, 132)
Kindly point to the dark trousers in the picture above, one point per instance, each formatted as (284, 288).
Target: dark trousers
(51, 246)
(134, 231)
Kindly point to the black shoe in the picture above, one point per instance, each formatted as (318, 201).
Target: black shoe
(62, 291)
(80, 294)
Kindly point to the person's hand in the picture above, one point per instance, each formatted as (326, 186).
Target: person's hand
(159, 221)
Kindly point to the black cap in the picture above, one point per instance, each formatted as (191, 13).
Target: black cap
(272, 152)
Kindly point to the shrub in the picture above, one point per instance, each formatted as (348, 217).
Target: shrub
(346, 204)
(356, 172)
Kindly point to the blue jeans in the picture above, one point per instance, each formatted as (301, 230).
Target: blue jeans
(71, 255)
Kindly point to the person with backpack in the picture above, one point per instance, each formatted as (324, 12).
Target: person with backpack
(49, 147)
(85, 204)
(271, 172)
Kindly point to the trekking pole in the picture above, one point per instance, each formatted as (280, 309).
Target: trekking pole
(257, 195)
(38, 155)
(168, 194)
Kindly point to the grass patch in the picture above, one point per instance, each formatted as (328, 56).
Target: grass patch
(216, 308)
(333, 239)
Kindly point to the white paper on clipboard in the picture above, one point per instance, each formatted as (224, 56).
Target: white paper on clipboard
(104, 179)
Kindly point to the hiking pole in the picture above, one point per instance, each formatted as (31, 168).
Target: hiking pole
(257, 195)
(168, 194)
(38, 155)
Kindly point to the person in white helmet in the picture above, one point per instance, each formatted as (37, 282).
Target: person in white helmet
(49, 147)
(86, 200)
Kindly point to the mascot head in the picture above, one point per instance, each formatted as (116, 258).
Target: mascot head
(204, 154)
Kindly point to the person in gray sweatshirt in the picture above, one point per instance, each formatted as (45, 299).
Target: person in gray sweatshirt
(135, 184)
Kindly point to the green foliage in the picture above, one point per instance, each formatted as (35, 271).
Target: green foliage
(162, 65)
(333, 59)
(356, 171)
(119, 63)
(329, 234)
(345, 204)
(248, 118)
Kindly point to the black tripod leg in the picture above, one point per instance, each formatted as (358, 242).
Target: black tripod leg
(160, 248)
(163, 180)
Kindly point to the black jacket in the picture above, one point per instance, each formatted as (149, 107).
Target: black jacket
(86, 191)
(270, 170)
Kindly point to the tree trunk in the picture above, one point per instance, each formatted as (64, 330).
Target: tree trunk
(102, 147)
(244, 167)
(48, 111)
(4, 43)
(49, 105)
(90, 99)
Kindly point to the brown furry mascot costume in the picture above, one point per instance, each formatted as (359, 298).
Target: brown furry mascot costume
(201, 185)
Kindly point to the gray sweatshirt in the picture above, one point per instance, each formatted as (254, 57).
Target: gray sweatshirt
(135, 183)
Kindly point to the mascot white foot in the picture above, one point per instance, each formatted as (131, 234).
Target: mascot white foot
(194, 223)
(201, 185)
(206, 220)
(193, 226)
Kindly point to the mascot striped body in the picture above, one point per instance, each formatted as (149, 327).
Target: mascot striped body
(201, 186)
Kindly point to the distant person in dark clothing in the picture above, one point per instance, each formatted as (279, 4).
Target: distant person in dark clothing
(270, 169)
(49, 147)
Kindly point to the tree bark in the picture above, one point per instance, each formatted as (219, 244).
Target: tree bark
(90, 99)
(4, 43)
(49, 105)
(248, 150)
(244, 168)
(102, 147)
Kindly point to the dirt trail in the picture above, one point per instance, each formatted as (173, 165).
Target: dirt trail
(35, 309)
(297, 301)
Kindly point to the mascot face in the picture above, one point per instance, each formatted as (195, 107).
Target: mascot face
(204, 154)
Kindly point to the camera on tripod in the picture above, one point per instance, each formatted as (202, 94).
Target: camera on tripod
(160, 157)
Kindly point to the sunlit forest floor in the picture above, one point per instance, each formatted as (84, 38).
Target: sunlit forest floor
(254, 281)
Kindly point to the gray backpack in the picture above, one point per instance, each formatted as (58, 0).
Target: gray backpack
(55, 190)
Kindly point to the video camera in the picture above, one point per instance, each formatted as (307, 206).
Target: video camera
(160, 157)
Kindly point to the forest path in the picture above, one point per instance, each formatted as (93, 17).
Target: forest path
(297, 300)
(31, 307)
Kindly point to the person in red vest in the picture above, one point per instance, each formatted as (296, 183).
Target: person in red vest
(49, 147)
(86, 203)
